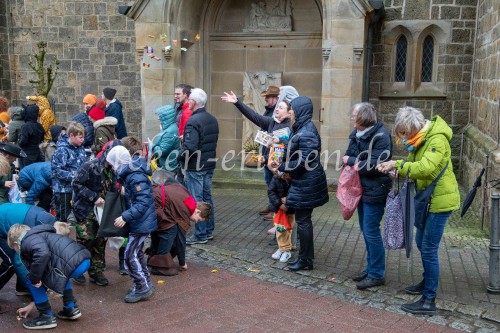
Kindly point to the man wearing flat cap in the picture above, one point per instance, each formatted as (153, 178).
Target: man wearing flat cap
(114, 109)
(11, 152)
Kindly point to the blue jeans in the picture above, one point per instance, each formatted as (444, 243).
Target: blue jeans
(40, 294)
(370, 216)
(428, 240)
(199, 184)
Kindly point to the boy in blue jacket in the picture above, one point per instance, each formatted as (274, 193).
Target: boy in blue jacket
(140, 217)
(36, 179)
(67, 158)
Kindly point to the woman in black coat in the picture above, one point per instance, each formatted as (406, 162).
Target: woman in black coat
(370, 144)
(308, 189)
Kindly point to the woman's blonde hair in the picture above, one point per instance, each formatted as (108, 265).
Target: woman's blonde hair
(408, 121)
(14, 232)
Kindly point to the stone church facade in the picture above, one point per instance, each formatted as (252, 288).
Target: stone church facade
(441, 56)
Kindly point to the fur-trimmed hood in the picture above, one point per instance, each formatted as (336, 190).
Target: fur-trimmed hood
(112, 121)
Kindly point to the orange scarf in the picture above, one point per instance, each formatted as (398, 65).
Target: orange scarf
(413, 143)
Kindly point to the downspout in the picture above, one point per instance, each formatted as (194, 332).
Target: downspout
(379, 14)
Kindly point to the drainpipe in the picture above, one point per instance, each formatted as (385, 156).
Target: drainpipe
(378, 6)
(494, 285)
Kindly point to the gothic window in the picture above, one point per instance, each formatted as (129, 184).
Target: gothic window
(401, 51)
(427, 59)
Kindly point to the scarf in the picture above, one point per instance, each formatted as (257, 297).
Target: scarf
(413, 143)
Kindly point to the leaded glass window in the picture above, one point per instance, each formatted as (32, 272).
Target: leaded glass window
(401, 50)
(427, 59)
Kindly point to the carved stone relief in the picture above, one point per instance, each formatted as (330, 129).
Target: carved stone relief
(253, 84)
(269, 15)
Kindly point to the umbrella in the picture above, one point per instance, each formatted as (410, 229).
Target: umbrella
(470, 197)
(407, 196)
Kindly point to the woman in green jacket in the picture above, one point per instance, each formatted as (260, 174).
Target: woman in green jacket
(428, 143)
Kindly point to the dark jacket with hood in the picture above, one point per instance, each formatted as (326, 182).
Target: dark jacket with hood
(16, 122)
(65, 162)
(278, 188)
(51, 258)
(31, 134)
(373, 147)
(35, 178)
(87, 186)
(200, 142)
(83, 119)
(266, 123)
(114, 109)
(309, 187)
(104, 132)
(140, 214)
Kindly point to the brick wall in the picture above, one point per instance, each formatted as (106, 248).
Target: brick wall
(454, 61)
(94, 44)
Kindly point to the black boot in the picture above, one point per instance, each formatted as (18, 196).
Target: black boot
(301, 265)
(46, 318)
(424, 306)
(416, 289)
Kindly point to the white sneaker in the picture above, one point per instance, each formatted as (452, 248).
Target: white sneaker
(277, 255)
(285, 256)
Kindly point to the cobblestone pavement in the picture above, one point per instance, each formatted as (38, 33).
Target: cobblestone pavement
(241, 243)
(233, 285)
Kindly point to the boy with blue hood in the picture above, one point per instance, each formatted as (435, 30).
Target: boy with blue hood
(140, 217)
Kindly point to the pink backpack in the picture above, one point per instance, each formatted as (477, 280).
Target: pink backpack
(349, 190)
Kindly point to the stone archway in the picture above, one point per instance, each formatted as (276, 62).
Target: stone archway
(334, 51)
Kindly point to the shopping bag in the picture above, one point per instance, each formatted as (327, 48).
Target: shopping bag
(349, 190)
(393, 237)
(281, 221)
(113, 242)
(14, 192)
(114, 205)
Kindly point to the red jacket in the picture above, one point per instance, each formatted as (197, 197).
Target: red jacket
(186, 113)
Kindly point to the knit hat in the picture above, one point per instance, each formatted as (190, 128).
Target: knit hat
(90, 99)
(109, 93)
(190, 203)
(118, 157)
(101, 104)
(96, 113)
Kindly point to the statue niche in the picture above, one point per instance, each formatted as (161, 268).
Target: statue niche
(269, 16)
(253, 84)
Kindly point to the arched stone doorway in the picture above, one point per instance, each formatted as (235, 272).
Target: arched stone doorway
(322, 56)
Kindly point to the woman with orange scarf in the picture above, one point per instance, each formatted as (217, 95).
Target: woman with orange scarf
(428, 144)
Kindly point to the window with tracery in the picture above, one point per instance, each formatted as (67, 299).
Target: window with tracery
(401, 52)
(427, 59)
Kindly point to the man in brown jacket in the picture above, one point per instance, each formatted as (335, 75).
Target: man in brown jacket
(175, 208)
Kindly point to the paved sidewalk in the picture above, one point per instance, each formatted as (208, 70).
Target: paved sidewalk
(250, 292)
(205, 299)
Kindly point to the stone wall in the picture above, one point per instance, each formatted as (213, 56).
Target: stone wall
(452, 25)
(482, 136)
(4, 52)
(94, 44)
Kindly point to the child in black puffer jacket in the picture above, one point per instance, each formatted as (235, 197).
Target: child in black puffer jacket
(277, 192)
(51, 259)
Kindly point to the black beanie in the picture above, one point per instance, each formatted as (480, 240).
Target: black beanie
(109, 93)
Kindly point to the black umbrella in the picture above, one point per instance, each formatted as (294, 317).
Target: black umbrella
(470, 197)
(407, 196)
